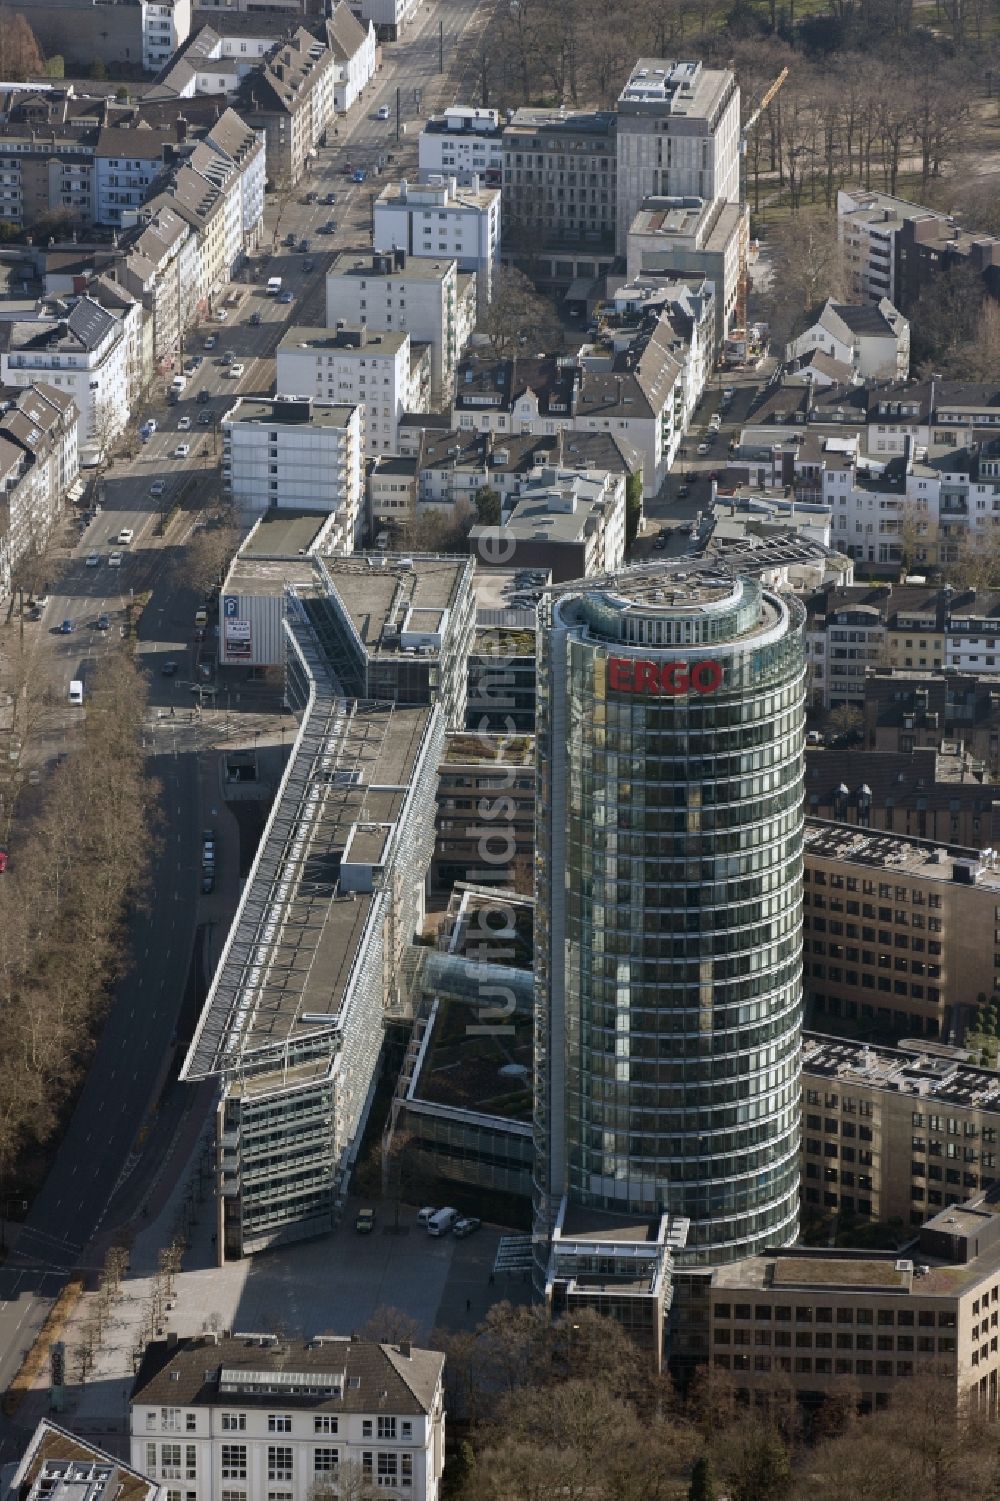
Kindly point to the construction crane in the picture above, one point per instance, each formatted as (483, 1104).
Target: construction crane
(762, 106)
(743, 288)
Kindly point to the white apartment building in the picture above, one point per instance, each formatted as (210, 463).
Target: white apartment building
(161, 267)
(165, 26)
(354, 366)
(355, 51)
(430, 299)
(85, 354)
(39, 470)
(464, 143)
(439, 219)
(304, 455)
(568, 522)
(872, 341)
(389, 17)
(687, 319)
(678, 136)
(867, 226)
(248, 1417)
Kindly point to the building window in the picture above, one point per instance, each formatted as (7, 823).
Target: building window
(325, 1461)
(387, 1427)
(388, 1469)
(325, 1422)
(170, 1461)
(234, 1422)
(279, 1462)
(234, 1461)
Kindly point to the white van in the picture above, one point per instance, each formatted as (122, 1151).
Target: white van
(76, 692)
(442, 1222)
(273, 286)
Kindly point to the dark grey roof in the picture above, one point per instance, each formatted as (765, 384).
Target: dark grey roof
(863, 318)
(89, 323)
(342, 1375)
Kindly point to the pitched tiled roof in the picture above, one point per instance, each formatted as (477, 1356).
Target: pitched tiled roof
(347, 1375)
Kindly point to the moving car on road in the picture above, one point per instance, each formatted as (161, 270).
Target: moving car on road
(465, 1226)
(104, 622)
(182, 450)
(93, 559)
(255, 320)
(702, 449)
(125, 536)
(286, 297)
(383, 112)
(365, 1222)
(157, 488)
(169, 668)
(116, 559)
(183, 423)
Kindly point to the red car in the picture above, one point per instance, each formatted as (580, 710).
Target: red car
(3, 860)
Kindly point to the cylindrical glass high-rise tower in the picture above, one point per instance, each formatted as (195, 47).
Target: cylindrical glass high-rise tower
(669, 881)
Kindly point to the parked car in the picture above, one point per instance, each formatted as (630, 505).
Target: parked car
(426, 1215)
(229, 358)
(683, 490)
(303, 244)
(3, 861)
(466, 1226)
(383, 112)
(236, 371)
(211, 342)
(329, 228)
(104, 622)
(182, 450)
(359, 176)
(204, 418)
(365, 1222)
(255, 320)
(290, 240)
(728, 393)
(93, 559)
(702, 449)
(312, 197)
(68, 627)
(286, 297)
(207, 882)
(330, 199)
(203, 397)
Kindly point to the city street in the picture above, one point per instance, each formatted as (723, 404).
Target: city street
(126, 1075)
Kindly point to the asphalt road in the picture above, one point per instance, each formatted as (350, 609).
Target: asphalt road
(127, 1070)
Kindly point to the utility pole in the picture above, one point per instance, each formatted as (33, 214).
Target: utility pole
(441, 46)
(399, 110)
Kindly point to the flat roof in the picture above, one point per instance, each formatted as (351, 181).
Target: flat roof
(351, 338)
(270, 411)
(284, 532)
(379, 264)
(307, 943)
(917, 1073)
(899, 854)
(468, 1066)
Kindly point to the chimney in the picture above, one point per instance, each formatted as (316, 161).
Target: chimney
(180, 129)
(400, 257)
(404, 1348)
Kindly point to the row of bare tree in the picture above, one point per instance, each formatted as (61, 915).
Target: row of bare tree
(74, 865)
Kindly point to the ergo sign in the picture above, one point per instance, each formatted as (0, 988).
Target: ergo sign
(630, 675)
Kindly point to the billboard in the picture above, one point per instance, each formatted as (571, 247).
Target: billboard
(236, 638)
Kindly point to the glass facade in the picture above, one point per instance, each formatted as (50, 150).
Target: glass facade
(669, 884)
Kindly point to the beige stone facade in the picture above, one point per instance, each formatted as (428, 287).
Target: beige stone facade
(900, 934)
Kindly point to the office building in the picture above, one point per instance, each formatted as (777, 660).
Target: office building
(335, 894)
(60, 1466)
(571, 523)
(440, 220)
(925, 793)
(296, 454)
(243, 1414)
(673, 237)
(396, 629)
(814, 1320)
(486, 811)
(900, 934)
(668, 876)
(678, 136)
(559, 179)
(894, 1135)
(464, 143)
(431, 300)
